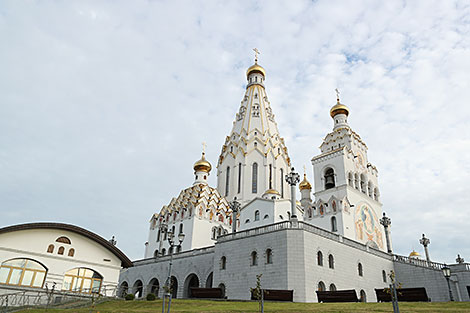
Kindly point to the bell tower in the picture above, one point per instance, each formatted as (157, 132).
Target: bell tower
(346, 185)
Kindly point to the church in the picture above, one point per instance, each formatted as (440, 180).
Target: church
(335, 237)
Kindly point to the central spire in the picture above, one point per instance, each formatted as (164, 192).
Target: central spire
(254, 157)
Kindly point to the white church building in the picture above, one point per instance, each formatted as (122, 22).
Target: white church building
(336, 237)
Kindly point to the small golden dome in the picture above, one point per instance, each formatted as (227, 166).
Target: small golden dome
(414, 254)
(305, 184)
(339, 108)
(272, 192)
(202, 165)
(255, 68)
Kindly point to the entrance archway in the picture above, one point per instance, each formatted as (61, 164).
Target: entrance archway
(123, 289)
(138, 289)
(174, 287)
(154, 286)
(363, 296)
(209, 280)
(191, 281)
(222, 287)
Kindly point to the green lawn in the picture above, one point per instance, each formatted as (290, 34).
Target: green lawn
(233, 306)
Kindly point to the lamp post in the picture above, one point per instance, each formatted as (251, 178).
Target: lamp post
(235, 206)
(386, 222)
(292, 179)
(172, 244)
(425, 242)
(447, 273)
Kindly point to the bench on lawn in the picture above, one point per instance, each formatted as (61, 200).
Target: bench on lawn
(404, 294)
(337, 296)
(276, 295)
(211, 293)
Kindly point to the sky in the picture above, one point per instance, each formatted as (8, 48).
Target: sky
(104, 104)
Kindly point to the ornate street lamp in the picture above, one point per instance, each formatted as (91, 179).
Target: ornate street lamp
(447, 273)
(386, 222)
(292, 179)
(172, 244)
(425, 242)
(234, 206)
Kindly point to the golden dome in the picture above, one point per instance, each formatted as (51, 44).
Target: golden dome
(202, 165)
(272, 192)
(305, 184)
(414, 254)
(339, 108)
(255, 68)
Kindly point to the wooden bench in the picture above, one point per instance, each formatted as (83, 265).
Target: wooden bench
(276, 295)
(207, 293)
(337, 296)
(404, 295)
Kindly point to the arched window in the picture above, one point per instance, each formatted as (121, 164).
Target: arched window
(331, 261)
(369, 189)
(155, 253)
(239, 177)
(282, 183)
(61, 250)
(158, 235)
(321, 286)
(163, 251)
(332, 287)
(50, 249)
(363, 296)
(227, 181)
(334, 227)
(350, 179)
(214, 232)
(219, 231)
(363, 184)
(269, 256)
(223, 262)
(329, 178)
(254, 178)
(359, 269)
(247, 221)
(320, 258)
(181, 228)
(376, 193)
(63, 240)
(356, 181)
(82, 280)
(270, 176)
(71, 252)
(256, 215)
(384, 276)
(254, 258)
(266, 217)
(22, 272)
(322, 211)
(173, 230)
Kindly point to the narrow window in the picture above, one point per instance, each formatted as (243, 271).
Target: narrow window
(223, 262)
(50, 249)
(270, 176)
(269, 256)
(320, 258)
(72, 252)
(359, 269)
(165, 234)
(181, 228)
(384, 276)
(282, 183)
(163, 251)
(173, 230)
(321, 286)
(254, 178)
(332, 287)
(334, 227)
(61, 250)
(227, 180)
(331, 261)
(356, 181)
(350, 179)
(329, 178)
(256, 215)
(239, 177)
(158, 235)
(155, 253)
(254, 258)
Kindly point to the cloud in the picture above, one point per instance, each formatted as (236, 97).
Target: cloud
(103, 106)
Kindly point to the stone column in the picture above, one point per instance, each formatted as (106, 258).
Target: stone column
(234, 206)
(292, 179)
(386, 222)
(425, 242)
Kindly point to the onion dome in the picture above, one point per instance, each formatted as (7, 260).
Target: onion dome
(202, 165)
(339, 108)
(255, 68)
(305, 184)
(272, 192)
(414, 254)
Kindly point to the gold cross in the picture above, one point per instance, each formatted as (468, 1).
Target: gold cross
(337, 94)
(305, 169)
(256, 54)
(204, 145)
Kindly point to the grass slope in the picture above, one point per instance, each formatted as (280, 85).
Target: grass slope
(118, 306)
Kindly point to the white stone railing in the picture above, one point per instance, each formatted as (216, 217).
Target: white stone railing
(176, 255)
(417, 262)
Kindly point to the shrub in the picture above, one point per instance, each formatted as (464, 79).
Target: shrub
(151, 297)
(129, 296)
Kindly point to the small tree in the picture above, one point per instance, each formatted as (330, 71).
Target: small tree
(258, 293)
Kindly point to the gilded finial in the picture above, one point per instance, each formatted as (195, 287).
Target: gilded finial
(204, 145)
(256, 54)
(337, 95)
(305, 170)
